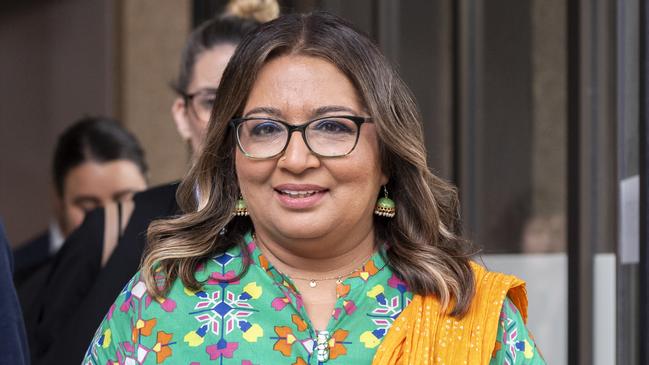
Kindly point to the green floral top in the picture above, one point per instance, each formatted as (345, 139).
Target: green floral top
(261, 319)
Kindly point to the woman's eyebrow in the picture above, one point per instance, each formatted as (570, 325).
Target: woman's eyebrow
(274, 112)
(333, 109)
(327, 109)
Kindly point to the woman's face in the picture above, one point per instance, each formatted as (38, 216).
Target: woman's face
(192, 118)
(299, 195)
(94, 184)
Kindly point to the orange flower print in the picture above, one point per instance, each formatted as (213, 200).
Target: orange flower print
(366, 271)
(299, 322)
(285, 340)
(142, 328)
(263, 262)
(161, 348)
(299, 361)
(342, 290)
(336, 344)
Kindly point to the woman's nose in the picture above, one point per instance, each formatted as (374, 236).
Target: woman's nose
(297, 156)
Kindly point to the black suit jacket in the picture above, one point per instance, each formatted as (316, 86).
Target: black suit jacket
(79, 292)
(30, 256)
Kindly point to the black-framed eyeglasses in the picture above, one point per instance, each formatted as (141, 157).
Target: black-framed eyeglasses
(201, 103)
(265, 138)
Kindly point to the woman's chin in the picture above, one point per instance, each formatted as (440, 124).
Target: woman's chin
(303, 231)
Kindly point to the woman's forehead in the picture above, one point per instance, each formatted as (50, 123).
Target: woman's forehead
(299, 84)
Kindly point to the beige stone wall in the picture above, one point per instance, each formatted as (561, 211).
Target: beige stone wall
(546, 231)
(151, 34)
(55, 67)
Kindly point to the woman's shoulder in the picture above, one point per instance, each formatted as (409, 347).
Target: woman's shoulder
(493, 286)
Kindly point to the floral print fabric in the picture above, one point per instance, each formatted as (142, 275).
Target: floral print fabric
(261, 319)
(514, 343)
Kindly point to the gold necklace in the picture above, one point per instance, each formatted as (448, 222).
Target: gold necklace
(339, 279)
(314, 282)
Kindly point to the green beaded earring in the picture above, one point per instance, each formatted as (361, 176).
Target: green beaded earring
(385, 206)
(241, 208)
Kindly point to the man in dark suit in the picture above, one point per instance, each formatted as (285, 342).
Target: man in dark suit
(12, 330)
(36, 253)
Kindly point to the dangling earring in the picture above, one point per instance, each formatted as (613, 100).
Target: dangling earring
(241, 208)
(385, 206)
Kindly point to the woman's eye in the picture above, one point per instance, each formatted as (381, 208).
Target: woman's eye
(333, 126)
(266, 129)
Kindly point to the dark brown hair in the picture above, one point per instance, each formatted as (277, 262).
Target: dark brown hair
(97, 139)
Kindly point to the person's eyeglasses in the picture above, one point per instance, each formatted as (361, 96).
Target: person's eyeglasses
(264, 138)
(201, 103)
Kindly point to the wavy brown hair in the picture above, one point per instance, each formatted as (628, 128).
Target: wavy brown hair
(424, 244)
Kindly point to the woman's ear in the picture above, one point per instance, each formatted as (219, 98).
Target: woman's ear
(179, 113)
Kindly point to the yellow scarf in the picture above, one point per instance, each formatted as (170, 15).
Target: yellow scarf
(423, 334)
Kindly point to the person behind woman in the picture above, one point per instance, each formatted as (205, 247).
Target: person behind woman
(319, 235)
(92, 271)
(96, 162)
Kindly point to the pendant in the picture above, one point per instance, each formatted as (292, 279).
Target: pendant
(313, 283)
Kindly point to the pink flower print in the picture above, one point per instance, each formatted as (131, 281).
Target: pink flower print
(350, 307)
(127, 303)
(168, 305)
(120, 358)
(298, 302)
(110, 312)
(222, 349)
(280, 302)
(222, 279)
(246, 362)
(395, 282)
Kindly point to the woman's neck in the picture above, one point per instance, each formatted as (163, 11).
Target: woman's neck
(333, 261)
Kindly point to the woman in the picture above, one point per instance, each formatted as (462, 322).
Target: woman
(92, 270)
(332, 245)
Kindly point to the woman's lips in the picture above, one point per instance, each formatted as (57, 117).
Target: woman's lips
(294, 196)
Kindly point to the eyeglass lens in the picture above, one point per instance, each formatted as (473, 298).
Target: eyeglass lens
(202, 103)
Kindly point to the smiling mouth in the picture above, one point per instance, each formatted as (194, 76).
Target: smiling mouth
(299, 194)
